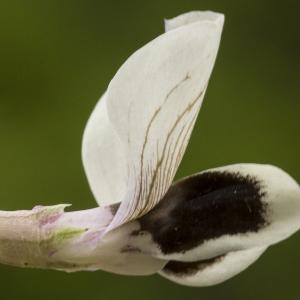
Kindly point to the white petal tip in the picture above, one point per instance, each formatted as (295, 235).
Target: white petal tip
(193, 17)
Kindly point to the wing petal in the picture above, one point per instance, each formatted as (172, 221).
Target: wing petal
(217, 211)
(211, 271)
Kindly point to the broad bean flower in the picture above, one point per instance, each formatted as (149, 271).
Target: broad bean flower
(198, 231)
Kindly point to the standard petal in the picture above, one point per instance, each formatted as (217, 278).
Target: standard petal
(103, 156)
(217, 211)
(192, 17)
(153, 102)
(211, 271)
(137, 133)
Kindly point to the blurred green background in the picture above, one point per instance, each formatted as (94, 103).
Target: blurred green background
(56, 59)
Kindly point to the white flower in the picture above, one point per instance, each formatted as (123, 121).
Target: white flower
(201, 230)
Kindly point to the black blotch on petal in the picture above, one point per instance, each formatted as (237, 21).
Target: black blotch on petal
(180, 269)
(204, 207)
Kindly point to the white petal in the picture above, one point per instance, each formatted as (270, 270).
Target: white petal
(280, 197)
(153, 102)
(137, 133)
(213, 271)
(192, 17)
(104, 157)
(220, 210)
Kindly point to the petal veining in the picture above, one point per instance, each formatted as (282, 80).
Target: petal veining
(135, 139)
(153, 102)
